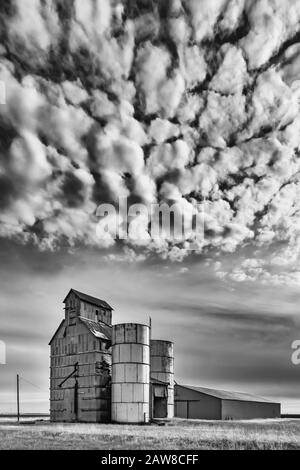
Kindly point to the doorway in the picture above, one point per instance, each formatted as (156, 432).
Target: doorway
(160, 407)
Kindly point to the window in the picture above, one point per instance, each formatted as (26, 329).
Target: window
(104, 315)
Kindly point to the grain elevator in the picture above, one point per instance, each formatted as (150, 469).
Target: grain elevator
(100, 372)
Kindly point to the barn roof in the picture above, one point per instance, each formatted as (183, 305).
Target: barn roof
(98, 329)
(89, 299)
(226, 395)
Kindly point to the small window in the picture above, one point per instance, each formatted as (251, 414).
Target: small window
(72, 318)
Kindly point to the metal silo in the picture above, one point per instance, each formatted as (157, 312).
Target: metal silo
(162, 370)
(130, 373)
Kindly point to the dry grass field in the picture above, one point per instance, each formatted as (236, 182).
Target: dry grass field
(176, 434)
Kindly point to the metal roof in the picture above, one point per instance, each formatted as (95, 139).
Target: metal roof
(98, 329)
(155, 381)
(226, 395)
(89, 299)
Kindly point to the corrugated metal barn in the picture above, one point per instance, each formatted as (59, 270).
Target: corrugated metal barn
(204, 403)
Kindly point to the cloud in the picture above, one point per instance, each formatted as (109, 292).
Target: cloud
(204, 15)
(271, 23)
(34, 25)
(226, 82)
(193, 101)
(159, 92)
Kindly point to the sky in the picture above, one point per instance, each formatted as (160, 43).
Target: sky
(228, 335)
(189, 103)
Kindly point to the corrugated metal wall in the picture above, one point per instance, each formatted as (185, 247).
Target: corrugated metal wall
(194, 405)
(162, 368)
(234, 409)
(130, 373)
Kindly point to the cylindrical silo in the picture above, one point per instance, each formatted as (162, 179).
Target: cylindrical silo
(162, 368)
(130, 373)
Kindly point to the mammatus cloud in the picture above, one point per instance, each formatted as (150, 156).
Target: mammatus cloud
(192, 101)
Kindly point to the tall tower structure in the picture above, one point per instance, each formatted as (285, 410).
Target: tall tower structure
(80, 361)
(130, 373)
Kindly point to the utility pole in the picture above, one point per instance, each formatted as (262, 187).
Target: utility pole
(18, 397)
(150, 385)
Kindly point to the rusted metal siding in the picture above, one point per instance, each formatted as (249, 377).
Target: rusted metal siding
(190, 404)
(130, 373)
(75, 344)
(233, 409)
(162, 368)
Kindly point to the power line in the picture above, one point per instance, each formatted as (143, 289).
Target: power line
(34, 385)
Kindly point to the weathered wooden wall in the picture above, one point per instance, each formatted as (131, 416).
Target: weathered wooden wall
(74, 343)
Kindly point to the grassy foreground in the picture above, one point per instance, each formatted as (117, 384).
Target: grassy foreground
(176, 434)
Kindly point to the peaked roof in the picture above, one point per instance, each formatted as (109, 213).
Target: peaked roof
(89, 299)
(56, 331)
(226, 395)
(98, 329)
